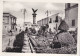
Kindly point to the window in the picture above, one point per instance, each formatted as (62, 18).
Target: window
(68, 5)
(50, 20)
(56, 19)
(73, 22)
(6, 20)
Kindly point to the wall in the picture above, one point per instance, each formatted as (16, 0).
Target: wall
(52, 25)
(71, 14)
(8, 23)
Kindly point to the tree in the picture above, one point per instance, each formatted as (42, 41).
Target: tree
(44, 28)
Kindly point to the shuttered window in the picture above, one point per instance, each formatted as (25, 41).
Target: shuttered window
(56, 19)
(73, 22)
(50, 20)
(68, 5)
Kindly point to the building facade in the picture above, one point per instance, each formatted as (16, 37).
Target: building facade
(53, 22)
(71, 15)
(28, 24)
(9, 23)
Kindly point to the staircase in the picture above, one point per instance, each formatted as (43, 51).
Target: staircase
(27, 47)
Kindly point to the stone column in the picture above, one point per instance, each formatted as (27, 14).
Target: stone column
(34, 18)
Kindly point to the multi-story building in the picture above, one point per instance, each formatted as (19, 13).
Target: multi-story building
(9, 23)
(71, 15)
(53, 22)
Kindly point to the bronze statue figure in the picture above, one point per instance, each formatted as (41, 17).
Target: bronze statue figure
(34, 11)
(34, 15)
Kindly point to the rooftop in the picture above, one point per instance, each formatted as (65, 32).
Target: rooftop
(8, 14)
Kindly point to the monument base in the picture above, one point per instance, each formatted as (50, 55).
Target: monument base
(35, 26)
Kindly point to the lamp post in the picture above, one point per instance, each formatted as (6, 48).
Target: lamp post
(24, 12)
(47, 12)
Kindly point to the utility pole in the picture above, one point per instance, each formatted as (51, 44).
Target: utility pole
(24, 12)
(47, 12)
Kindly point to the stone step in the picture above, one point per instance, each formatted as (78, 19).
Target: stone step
(26, 51)
(26, 47)
(25, 44)
(26, 38)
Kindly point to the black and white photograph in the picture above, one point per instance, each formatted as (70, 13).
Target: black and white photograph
(39, 27)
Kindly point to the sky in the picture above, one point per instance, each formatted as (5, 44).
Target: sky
(16, 9)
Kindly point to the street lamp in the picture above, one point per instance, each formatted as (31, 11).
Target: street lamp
(24, 12)
(47, 12)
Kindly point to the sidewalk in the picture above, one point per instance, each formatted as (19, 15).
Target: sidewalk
(7, 41)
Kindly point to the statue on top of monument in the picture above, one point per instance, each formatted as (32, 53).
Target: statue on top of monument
(34, 11)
